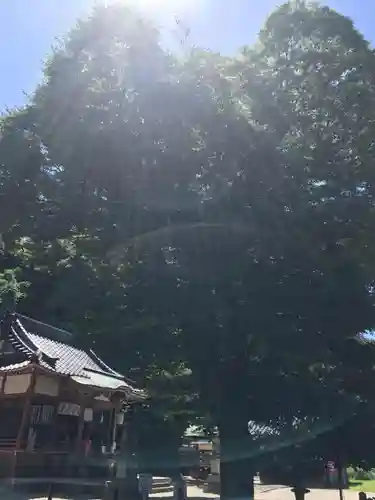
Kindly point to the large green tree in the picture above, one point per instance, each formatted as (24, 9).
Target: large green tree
(204, 216)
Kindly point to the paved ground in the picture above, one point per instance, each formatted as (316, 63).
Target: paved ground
(196, 493)
(315, 494)
(263, 492)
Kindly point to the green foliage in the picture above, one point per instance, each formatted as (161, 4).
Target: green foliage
(11, 290)
(205, 222)
(359, 474)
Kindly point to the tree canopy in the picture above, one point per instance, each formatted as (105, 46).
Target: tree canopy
(205, 221)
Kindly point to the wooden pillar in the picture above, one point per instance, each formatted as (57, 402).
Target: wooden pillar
(24, 420)
(55, 420)
(26, 410)
(109, 433)
(81, 424)
(116, 405)
(128, 446)
(113, 429)
(3, 384)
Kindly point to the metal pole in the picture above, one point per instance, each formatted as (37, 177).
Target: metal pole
(339, 473)
(341, 493)
(50, 491)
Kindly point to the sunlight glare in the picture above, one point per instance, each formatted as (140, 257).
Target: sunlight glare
(165, 7)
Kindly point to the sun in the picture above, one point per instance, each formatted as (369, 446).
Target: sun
(159, 3)
(164, 10)
(165, 6)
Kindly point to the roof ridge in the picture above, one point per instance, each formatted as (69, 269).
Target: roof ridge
(59, 342)
(23, 339)
(46, 325)
(103, 364)
(107, 374)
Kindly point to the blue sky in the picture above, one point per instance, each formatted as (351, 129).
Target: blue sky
(30, 26)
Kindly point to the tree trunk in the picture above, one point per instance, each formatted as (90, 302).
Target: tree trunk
(236, 460)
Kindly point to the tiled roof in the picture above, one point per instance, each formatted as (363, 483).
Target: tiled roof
(69, 360)
(62, 358)
(85, 368)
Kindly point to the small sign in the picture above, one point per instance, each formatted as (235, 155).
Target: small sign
(71, 409)
(88, 415)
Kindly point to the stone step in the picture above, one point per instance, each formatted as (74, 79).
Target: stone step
(162, 489)
(161, 484)
(161, 481)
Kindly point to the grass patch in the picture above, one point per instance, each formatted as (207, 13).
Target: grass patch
(366, 485)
